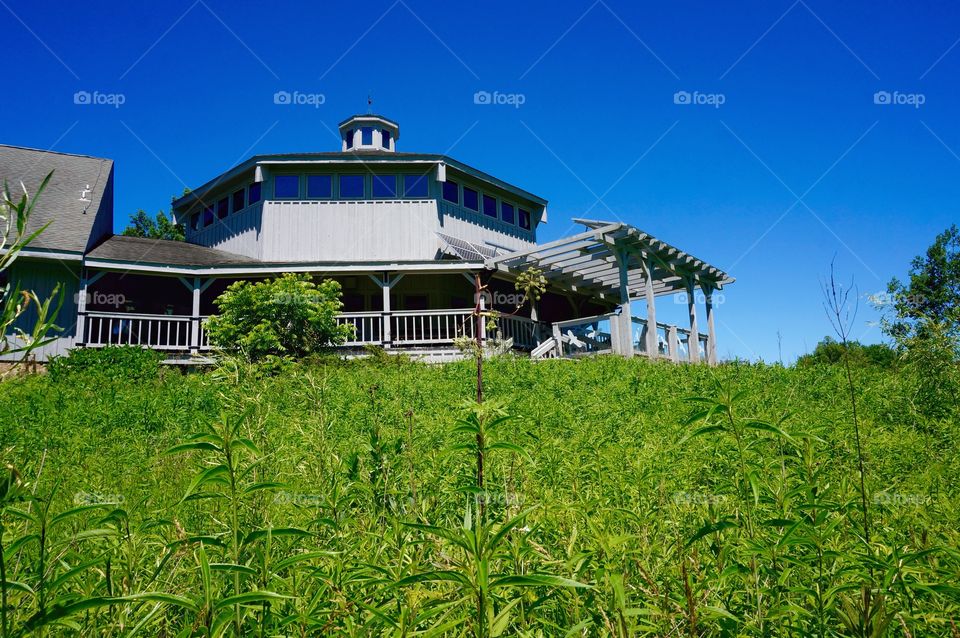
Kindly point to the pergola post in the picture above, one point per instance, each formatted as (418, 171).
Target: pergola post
(711, 329)
(673, 343)
(195, 317)
(653, 345)
(693, 344)
(623, 342)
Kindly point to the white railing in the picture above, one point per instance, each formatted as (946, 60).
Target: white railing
(367, 327)
(525, 332)
(159, 332)
(431, 327)
(586, 335)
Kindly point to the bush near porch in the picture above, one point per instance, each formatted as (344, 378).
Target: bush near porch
(343, 511)
(289, 316)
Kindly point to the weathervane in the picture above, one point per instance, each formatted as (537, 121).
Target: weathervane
(369, 104)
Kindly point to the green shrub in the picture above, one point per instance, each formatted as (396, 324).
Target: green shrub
(287, 316)
(130, 362)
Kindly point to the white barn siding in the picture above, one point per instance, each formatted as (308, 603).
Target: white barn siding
(351, 231)
(239, 233)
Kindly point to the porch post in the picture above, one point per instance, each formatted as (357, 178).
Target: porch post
(653, 342)
(624, 344)
(693, 344)
(711, 330)
(195, 318)
(482, 320)
(385, 286)
(80, 336)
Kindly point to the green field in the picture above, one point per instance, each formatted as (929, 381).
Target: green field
(348, 502)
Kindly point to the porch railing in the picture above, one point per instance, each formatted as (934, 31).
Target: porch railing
(584, 336)
(159, 332)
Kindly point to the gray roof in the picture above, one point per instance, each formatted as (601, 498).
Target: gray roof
(78, 201)
(140, 250)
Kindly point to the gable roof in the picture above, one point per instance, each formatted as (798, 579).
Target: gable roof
(76, 202)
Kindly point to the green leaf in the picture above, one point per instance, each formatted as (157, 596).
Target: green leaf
(536, 580)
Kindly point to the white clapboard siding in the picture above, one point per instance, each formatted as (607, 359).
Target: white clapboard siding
(348, 231)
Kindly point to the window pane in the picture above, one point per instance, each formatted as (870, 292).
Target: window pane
(506, 212)
(415, 185)
(451, 191)
(223, 208)
(366, 136)
(385, 137)
(195, 221)
(349, 135)
(208, 215)
(471, 199)
(384, 185)
(239, 201)
(524, 219)
(286, 186)
(351, 186)
(254, 192)
(489, 206)
(319, 186)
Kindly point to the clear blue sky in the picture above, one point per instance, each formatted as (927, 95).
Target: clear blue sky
(797, 166)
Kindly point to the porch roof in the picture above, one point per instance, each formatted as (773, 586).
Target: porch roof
(588, 261)
(142, 250)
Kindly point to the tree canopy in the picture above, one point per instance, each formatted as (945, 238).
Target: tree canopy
(142, 225)
(932, 292)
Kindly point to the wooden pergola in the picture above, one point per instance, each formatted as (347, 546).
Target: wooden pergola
(621, 263)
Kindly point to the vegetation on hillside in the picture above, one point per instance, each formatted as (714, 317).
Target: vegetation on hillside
(342, 499)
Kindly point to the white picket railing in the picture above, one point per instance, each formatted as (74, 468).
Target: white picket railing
(431, 327)
(159, 332)
(525, 332)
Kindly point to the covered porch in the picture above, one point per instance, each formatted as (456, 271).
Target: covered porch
(592, 280)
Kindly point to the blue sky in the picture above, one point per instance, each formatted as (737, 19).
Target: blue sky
(777, 160)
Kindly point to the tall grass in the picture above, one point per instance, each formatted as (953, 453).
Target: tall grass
(622, 498)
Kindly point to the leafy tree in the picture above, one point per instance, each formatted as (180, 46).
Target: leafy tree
(831, 352)
(290, 316)
(141, 225)
(932, 293)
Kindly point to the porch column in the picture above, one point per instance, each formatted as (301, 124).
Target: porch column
(625, 339)
(693, 345)
(195, 318)
(386, 285)
(80, 336)
(86, 280)
(711, 330)
(653, 342)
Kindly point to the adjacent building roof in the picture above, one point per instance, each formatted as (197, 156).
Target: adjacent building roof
(140, 250)
(591, 261)
(74, 202)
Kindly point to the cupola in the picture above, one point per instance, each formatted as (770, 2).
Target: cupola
(369, 133)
